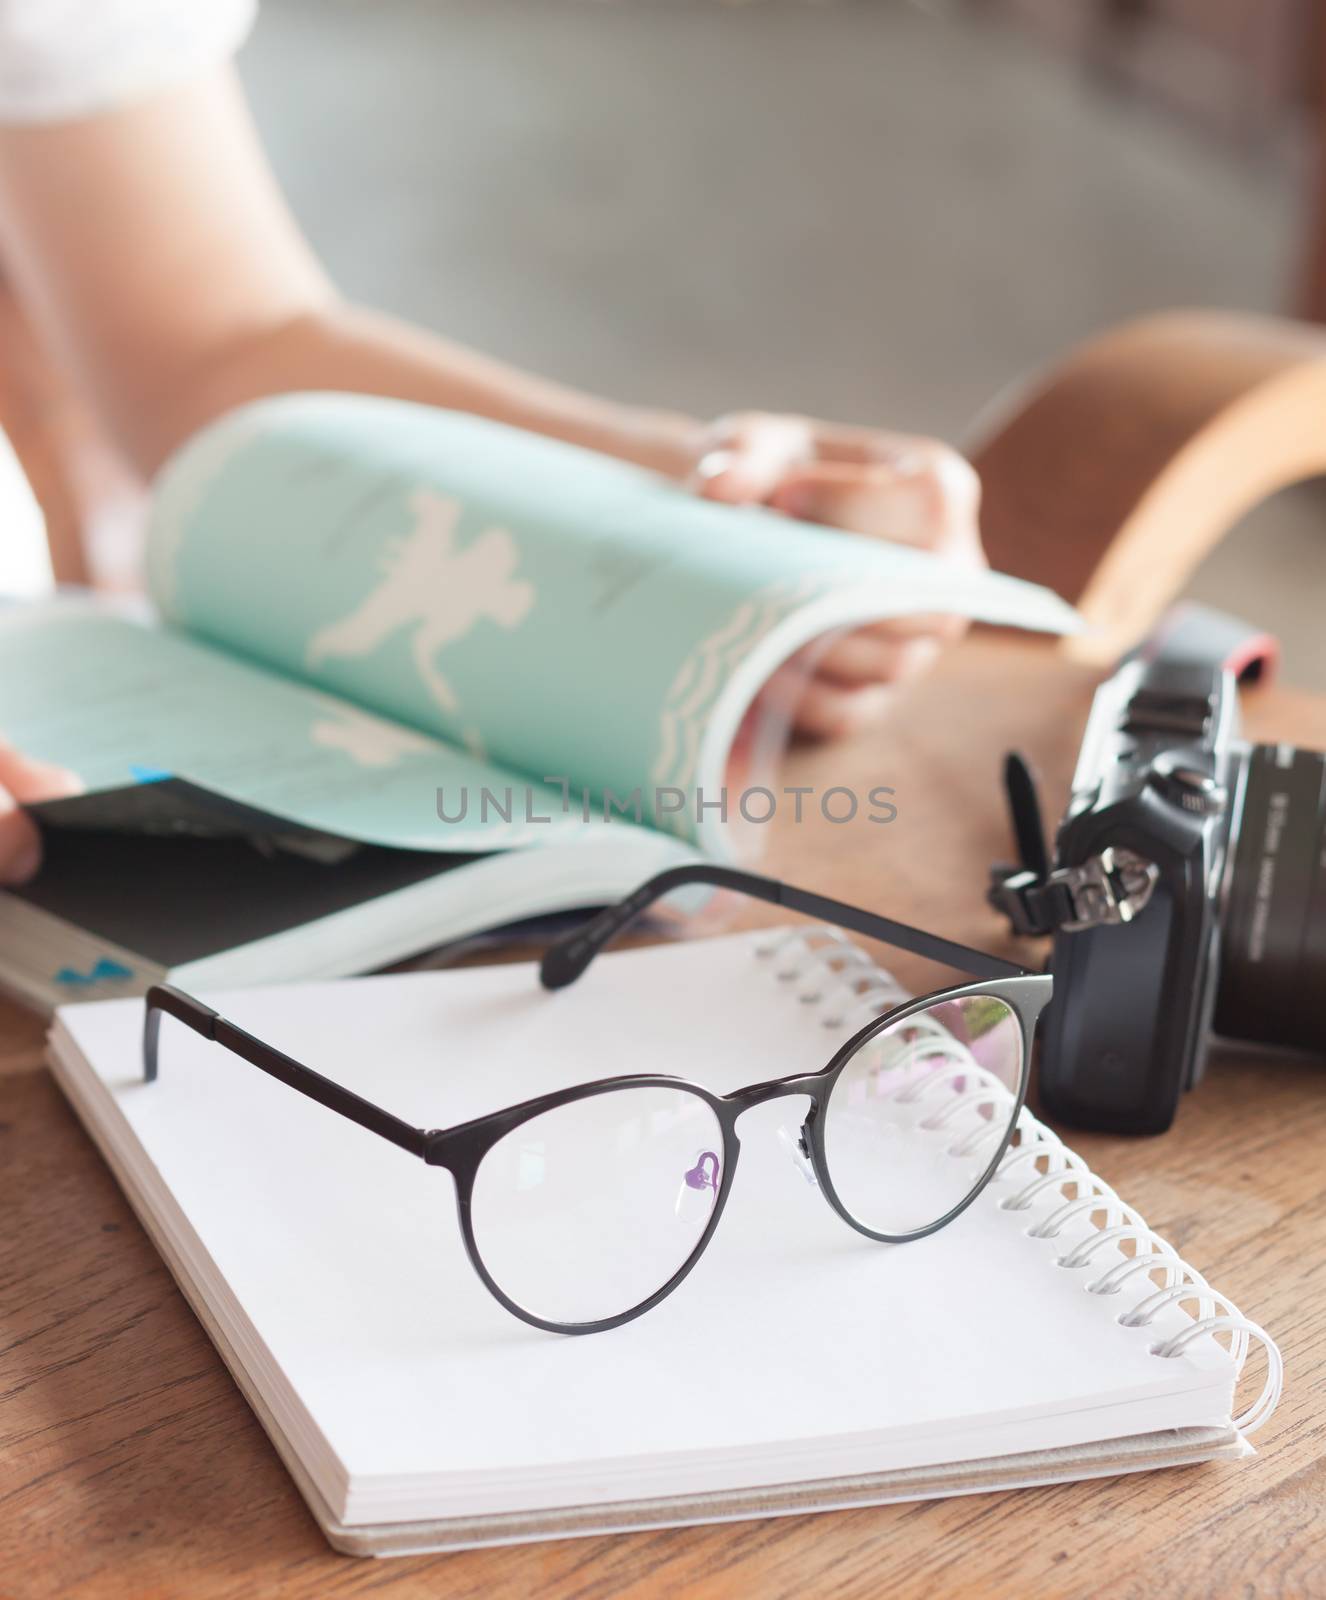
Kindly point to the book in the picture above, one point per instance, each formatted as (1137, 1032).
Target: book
(395, 650)
(1045, 1334)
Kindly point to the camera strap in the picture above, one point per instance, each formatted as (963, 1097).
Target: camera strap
(1115, 885)
(1192, 632)
(1111, 887)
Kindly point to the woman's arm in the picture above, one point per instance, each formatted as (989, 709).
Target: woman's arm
(162, 265)
(155, 255)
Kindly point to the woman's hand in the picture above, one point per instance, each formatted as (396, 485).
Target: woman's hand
(896, 486)
(22, 781)
(165, 344)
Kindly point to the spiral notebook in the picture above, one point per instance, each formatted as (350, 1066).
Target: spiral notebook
(1046, 1334)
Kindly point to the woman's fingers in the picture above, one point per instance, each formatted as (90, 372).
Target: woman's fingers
(929, 498)
(896, 487)
(28, 779)
(807, 703)
(874, 655)
(746, 457)
(22, 782)
(20, 843)
(912, 491)
(828, 710)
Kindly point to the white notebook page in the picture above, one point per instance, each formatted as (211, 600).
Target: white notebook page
(795, 1349)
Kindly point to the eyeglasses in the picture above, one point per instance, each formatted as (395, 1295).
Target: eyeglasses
(584, 1208)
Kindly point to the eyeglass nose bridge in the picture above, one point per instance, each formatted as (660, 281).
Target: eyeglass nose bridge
(758, 1094)
(797, 1146)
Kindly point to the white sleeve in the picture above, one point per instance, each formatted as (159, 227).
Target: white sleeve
(61, 59)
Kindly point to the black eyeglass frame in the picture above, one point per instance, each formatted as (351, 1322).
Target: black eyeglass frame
(462, 1148)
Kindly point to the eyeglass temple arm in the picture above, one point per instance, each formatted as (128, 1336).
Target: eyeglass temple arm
(164, 998)
(565, 960)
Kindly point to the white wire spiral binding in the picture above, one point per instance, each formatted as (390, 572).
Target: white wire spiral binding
(843, 972)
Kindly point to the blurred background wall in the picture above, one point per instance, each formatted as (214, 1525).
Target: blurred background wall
(871, 210)
(860, 208)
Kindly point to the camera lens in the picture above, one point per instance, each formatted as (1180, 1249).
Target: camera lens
(1273, 966)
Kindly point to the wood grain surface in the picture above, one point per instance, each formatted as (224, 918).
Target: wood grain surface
(130, 1466)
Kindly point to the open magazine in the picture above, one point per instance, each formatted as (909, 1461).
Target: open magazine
(401, 629)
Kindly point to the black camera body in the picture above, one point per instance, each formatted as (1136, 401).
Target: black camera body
(1187, 895)
(1153, 779)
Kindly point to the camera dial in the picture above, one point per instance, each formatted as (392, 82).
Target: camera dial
(1184, 782)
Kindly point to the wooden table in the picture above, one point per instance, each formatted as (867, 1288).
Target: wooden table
(130, 1466)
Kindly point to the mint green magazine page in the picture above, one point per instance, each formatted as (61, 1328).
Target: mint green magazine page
(540, 609)
(119, 704)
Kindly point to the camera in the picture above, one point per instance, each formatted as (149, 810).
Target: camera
(1187, 895)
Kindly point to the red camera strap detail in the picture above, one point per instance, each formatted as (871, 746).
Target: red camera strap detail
(1192, 632)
